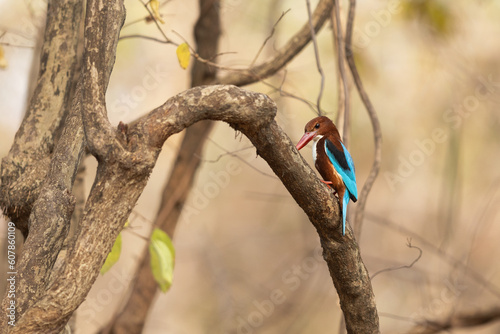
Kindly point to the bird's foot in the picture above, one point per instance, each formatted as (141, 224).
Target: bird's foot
(328, 185)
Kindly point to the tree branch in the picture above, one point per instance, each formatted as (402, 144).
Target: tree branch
(50, 218)
(344, 106)
(377, 132)
(316, 56)
(207, 32)
(24, 168)
(352, 282)
(118, 185)
(284, 54)
(457, 321)
(103, 22)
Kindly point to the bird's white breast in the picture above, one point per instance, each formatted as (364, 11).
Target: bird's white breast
(314, 148)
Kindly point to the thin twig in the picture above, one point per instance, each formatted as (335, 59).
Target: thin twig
(17, 46)
(206, 61)
(469, 271)
(458, 320)
(268, 38)
(377, 132)
(233, 154)
(220, 156)
(403, 266)
(316, 54)
(156, 22)
(13, 45)
(284, 93)
(340, 57)
(154, 39)
(147, 18)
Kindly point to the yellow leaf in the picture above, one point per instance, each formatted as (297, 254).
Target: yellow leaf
(155, 7)
(162, 253)
(183, 55)
(3, 61)
(113, 256)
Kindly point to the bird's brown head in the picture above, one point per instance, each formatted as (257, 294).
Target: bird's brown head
(318, 126)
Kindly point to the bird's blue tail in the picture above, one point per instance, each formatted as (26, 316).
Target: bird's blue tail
(345, 201)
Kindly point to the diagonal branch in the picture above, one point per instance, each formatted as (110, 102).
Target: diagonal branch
(284, 54)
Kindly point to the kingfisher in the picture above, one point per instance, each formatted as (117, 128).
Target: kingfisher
(332, 160)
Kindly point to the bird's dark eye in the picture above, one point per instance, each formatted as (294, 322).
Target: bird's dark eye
(316, 126)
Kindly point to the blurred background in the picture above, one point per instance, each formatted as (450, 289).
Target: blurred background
(248, 260)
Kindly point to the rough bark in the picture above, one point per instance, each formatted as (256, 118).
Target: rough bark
(25, 167)
(50, 216)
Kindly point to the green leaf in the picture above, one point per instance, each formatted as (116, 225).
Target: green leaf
(162, 254)
(113, 256)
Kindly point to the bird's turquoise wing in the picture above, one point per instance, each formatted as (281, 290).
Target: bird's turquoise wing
(342, 161)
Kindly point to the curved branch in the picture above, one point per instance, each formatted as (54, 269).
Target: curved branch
(257, 123)
(377, 132)
(118, 185)
(103, 22)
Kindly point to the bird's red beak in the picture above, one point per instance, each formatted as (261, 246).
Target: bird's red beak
(306, 138)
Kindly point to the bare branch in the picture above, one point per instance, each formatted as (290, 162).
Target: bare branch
(316, 55)
(407, 266)
(471, 272)
(151, 15)
(27, 163)
(268, 38)
(283, 55)
(457, 321)
(344, 105)
(377, 132)
(98, 59)
(154, 39)
(242, 160)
